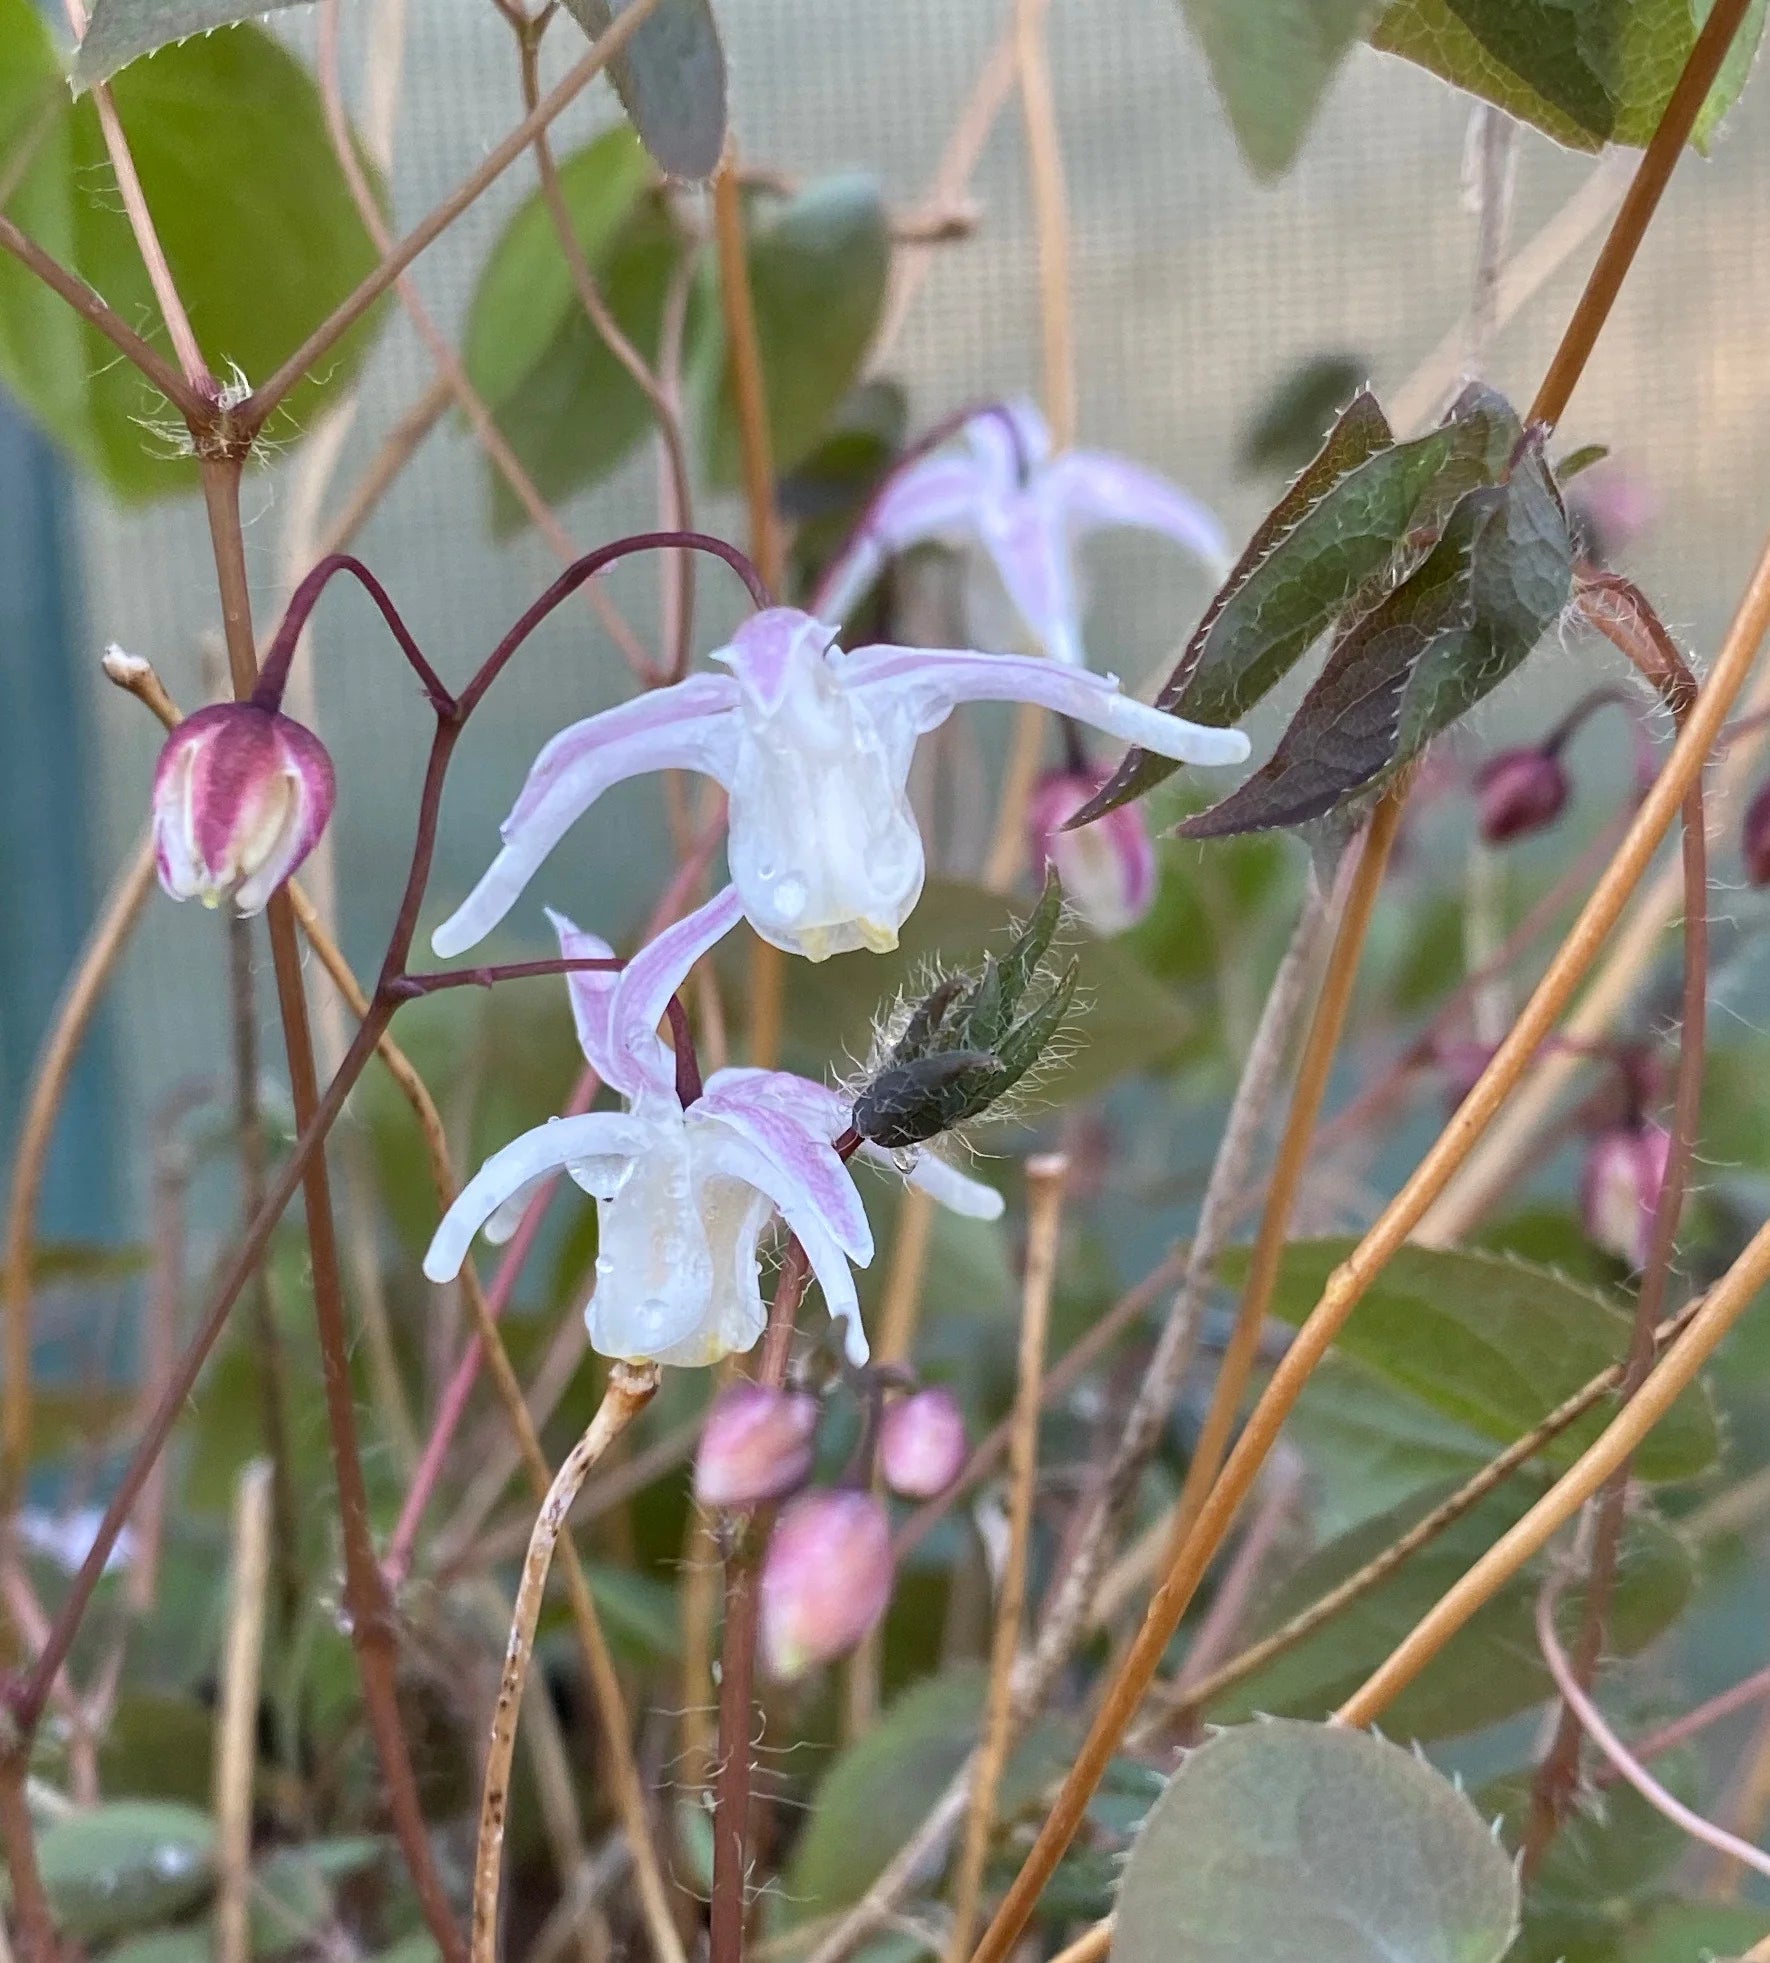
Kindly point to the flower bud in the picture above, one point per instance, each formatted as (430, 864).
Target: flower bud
(757, 1445)
(241, 795)
(826, 1579)
(1519, 791)
(1754, 839)
(1107, 868)
(1462, 1062)
(922, 1444)
(1619, 1189)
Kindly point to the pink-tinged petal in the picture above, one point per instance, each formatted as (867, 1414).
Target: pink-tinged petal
(929, 683)
(573, 772)
(721, 1149)
(592, 992)
(826, 1579)
(771, 649)
(1032, 558)
(638, 1056)
(560, 1144)
(1108, 868)
(815, 1106)
(1087, 490)
(1011, 440)
(809, 1161)
(241, 795)
(936, 497)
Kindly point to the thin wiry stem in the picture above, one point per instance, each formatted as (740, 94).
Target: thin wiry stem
(444, 358)
(236, 1730)
(1182, 1700)
(1639, 204)
(1057, 330)
(1125, 1691)
(253, 413)
(679, 502)
(1682, 1363)
(1621, 611)
(630, 1388)
(747, 1535)
(743, 353)
(97, 313)
(1045, 1178)
(366, 1598)
(1626, 1763)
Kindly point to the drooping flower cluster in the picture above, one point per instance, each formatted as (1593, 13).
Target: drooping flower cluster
(827, 1571)
(684, 1191)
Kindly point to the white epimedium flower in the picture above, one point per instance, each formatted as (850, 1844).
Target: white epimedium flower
(814, 746)
(998, 489)
(684, 1192)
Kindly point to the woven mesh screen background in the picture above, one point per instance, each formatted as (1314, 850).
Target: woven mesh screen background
(1195, 289)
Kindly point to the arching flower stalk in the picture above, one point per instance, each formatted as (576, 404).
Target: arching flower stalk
(687, 1178)
(998, 489)
(814, 746)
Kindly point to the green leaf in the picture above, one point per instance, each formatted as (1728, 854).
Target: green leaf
(875, 1793)
(126, 1865)
(1497, 580)
(1272, 61)
(1327, 546)
(1692, 1932)
(1604, 1869)
(1489, 1341)
(1127, 1020)
(817, 276)
(159, 1745)
(575, 412)
(1298, 1843)
(293, 1898)
(191, 1943)
(671, 80)
(253, 211)
(121, 31)
(1492, 1669)
(525, 292)
(1586, 72)
(1372, 1447)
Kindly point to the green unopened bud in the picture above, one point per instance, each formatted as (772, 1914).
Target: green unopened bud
(970, 1040)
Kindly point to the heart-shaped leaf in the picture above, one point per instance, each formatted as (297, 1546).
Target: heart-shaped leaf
(1304, 1843)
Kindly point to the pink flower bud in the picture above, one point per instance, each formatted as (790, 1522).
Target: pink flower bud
(1619, 1189)
(1519, 791)
(1107, 868)
(1754, 839)
(1462, 1062)
(241, 795)
(757, 1445)
(826, 1579)
(922, 1444)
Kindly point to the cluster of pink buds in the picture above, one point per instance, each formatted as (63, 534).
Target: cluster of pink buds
(827, 1570)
